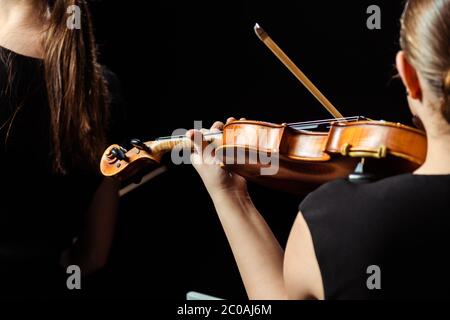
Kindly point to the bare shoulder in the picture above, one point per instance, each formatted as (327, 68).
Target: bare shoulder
(302, 275)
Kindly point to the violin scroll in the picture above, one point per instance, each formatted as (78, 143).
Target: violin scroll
(123, 164)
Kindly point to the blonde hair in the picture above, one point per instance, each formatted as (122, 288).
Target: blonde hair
(425, 39)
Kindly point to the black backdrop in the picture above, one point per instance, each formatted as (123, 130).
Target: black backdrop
(180, 61)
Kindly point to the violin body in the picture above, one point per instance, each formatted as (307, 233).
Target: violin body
(286, 158)
(308, 159)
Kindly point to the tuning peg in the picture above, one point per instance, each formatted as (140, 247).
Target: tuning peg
(118, 153)
(139, 144)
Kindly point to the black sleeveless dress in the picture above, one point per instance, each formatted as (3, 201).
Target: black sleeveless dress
(40, 212)
(400, 225)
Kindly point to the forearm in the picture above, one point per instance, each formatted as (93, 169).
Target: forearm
(91, 250)
(258, 254)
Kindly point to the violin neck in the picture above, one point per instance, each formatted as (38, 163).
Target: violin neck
(167, 144)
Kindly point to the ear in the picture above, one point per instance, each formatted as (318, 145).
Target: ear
(409, 76)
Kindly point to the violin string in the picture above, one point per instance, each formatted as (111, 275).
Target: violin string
(184, 137)
(354, 118)
(313, 124)
(295, 125)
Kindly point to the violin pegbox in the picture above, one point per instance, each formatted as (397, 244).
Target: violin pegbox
(122, 164)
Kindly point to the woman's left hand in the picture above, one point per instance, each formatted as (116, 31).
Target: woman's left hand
(203, 158)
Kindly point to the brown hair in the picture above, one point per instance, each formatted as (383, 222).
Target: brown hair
(76, 88)
(425, 39)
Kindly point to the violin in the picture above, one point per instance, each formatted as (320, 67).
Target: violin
(289, 157)
(296, 157)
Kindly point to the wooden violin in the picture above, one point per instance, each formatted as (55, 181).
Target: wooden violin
(305, 154)
(302, 159)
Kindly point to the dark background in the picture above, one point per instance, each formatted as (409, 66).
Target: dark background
(180, 61)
